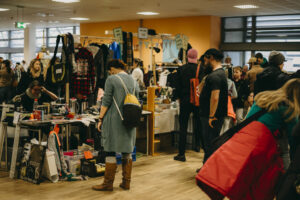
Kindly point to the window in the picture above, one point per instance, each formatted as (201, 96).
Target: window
(4, 55)
(292, 63)
(17, 34)
(243, 36)
(233, 30)
(47, 36)
(3, 39)
(17, 57)
(17, 43)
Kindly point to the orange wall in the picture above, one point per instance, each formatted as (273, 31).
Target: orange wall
(203, 31)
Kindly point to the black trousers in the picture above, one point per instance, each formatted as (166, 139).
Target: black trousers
(209, 134)
(185, 110)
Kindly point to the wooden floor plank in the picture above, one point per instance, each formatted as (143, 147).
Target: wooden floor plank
(156, 178)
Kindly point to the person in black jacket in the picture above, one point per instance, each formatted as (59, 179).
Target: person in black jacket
(34, 73)
(243, 91)
(184, 74)
(272, 78)
(34, 91)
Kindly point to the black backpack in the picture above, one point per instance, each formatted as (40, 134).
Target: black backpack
(132, 109)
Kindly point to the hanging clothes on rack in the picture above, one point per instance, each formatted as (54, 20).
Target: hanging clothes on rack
(101, 59)
(115, 47)
(127, 54)
(83, 77)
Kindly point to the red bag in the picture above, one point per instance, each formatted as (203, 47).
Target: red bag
(194, 82)
(248, 166)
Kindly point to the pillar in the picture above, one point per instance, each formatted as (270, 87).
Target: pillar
(29, 43)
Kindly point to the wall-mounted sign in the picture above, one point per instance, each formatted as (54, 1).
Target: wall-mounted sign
(142, 33)
(178, 41)
(185, 41)
(118, 34)
(20, 25)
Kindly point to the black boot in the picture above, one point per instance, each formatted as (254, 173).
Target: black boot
(180, 158)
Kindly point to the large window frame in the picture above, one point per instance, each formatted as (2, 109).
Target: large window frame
(10, 52)
(253, 33)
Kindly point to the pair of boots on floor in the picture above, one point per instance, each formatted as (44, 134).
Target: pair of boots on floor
(110, 172)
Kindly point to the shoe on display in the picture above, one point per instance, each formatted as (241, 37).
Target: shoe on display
(180, 158)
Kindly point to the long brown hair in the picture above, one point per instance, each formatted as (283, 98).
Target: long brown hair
(289, 94)
(30, 68)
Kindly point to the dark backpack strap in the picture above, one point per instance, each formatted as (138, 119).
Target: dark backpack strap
(247, 121)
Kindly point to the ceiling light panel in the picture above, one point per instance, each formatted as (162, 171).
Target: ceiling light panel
(67, 1)
(4, 9)
(248, 6)
(79, 18)
(147, 13)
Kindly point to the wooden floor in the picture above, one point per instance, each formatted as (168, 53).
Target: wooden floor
(154, 178)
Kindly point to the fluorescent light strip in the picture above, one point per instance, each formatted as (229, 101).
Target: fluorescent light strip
(147, 13)
(79, 18)
(67, 1)
(249, 6)
(4, 9)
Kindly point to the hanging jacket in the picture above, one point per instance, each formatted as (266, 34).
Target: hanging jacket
(83, 81)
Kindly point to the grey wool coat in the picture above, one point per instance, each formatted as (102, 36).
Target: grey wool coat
(115, 137)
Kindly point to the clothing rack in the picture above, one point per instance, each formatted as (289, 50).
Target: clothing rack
(85, 37)
(95, 37)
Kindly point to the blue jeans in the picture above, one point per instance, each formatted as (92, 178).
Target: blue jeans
(5, 94)
(209, 134)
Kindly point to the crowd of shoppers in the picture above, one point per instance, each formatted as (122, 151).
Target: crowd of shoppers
(262, 87)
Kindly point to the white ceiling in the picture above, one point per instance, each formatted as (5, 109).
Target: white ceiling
(112, 10)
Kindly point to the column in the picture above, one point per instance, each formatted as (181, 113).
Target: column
(29, 43)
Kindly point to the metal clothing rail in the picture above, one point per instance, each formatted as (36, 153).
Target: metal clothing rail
(95, 37)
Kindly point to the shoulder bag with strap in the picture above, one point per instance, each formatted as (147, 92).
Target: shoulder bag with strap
(57, 73)
(132, 109)
(194, 82)
(219, 141)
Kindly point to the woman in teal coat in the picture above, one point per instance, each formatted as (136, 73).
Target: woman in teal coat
(115, 136)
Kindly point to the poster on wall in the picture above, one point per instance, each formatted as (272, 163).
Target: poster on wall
(142, 33)
(185, 41)
(118, 34)
(178, 41)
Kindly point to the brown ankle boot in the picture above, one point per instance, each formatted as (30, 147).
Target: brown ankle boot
(126, 172)
(109, 177)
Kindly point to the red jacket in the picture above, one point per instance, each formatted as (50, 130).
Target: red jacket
(247, 166)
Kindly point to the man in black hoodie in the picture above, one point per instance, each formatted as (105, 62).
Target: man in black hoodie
(184, 74)
(272, 78)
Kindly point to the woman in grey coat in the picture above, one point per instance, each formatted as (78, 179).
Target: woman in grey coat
(115, 137)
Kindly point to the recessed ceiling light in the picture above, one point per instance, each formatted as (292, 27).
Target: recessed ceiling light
(147, 13)
(79, 18)
(67, 1)
(4, 9)
(248, 6)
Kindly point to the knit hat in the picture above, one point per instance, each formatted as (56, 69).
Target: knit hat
(192, 56)
(276, 58)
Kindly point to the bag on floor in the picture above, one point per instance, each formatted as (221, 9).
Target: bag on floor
(132, 109)
(194, 82)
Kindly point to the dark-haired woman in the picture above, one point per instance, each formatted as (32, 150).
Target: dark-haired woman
(6, 78)
(34, 73)
(34, 91)
(115, 136)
